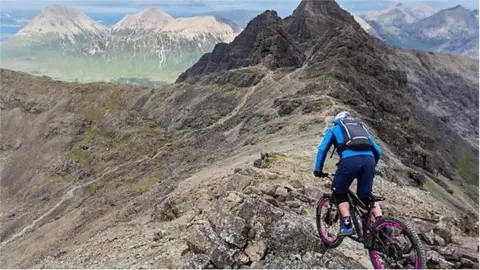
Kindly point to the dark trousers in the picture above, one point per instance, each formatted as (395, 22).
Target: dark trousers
(360, 167)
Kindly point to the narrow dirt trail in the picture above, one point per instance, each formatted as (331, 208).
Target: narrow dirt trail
(67, 196)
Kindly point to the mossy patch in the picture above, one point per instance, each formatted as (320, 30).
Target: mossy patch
(467, 166)
(51, 180)
(90, 134)
(92, 189)
(92, 114)
(144, 185)
(115, 144)
(267, 160)
(253, 70)
(151, 129)
(176, 144)
(76, 154)
(114, 102)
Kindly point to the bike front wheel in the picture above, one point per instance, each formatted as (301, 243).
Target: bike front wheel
(328, 222)
(396, 245)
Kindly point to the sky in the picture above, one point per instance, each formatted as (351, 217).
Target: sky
(283, 7)
(109, 12)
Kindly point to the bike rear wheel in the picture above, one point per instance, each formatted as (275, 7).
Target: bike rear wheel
(328, 222)
(391, 251)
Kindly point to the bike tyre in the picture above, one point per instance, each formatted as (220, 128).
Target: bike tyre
(325, 239)
(420, 257)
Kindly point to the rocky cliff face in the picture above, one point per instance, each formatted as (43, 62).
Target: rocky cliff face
(264, 40)
(114, 176)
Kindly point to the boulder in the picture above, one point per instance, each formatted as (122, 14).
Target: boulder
(444, 229)
(428, 237)
(222, 257)
(235, 232)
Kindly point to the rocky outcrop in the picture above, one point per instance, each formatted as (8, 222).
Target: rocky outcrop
(263, 41)
(312, 19)
(250, 231)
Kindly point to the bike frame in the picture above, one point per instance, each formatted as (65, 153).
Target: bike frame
(359, 211)
(360, 214)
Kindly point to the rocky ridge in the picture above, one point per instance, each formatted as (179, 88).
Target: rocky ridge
(169, 176)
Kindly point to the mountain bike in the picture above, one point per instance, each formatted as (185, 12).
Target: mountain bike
(380, 236)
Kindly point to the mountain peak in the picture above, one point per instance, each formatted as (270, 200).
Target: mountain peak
(152, 19)
(61, 10)
(155, 13)
(264, 40)
(63, 22)
(312, 19)
(201, 26)
(400, 13)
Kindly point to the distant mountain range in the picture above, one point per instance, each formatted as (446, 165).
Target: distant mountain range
(418, 26)
(64, 43)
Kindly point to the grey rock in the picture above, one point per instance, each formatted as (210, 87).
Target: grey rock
(255, 209)
(199, 261)
(291, 230)
(235, 232)
(295, 257)
(271, 190)
(256, 250)
(297, 211)
(444, 229)
(234, 197)
(158, 235)
(286, 106)
(428, 237)
(240, 258)
(271, 200)
(469, 264)
(449, 253)
(307, 257)
(222, 257)
(435, 260)
(437, 240)
(293, 204)
(281, 191)
(257, 265)
(251, 190)
(238, 182)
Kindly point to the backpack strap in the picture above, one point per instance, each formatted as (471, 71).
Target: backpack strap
(333, 152)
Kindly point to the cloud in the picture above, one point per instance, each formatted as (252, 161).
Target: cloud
(106, 9)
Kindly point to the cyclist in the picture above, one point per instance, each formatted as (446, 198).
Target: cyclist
(359, 154)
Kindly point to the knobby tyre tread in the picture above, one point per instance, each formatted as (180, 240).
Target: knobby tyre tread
(412, 236)
(329, 244)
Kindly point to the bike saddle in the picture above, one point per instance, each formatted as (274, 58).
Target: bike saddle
(376, 198)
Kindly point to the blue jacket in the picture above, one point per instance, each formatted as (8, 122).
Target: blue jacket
(334, 135)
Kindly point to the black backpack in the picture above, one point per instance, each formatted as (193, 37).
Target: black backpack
(356, 136)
